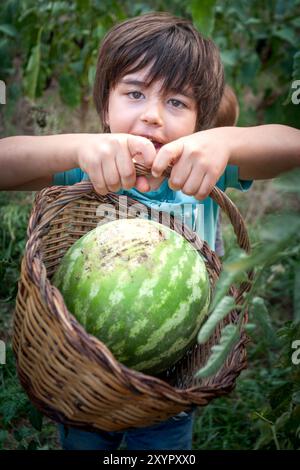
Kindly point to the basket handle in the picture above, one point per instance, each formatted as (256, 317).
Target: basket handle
(222, 200)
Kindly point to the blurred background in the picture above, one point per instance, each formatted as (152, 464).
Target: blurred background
(48, 52)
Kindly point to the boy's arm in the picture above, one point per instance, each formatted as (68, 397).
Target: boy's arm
(265, 151)
(29, 162)
(200, 159)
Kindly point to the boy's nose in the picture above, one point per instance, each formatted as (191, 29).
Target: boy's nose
(152, 114)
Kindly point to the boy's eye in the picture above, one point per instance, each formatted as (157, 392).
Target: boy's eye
(136, 95)
(177, 103)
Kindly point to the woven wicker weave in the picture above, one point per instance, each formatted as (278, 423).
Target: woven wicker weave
(70, 375)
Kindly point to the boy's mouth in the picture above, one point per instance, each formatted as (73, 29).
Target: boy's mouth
(157, 143)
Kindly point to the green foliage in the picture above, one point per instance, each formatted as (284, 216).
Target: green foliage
(279, 419)
(288, 182)
(263, 319)
(203, 14)
(15, 408)
(259, 45)
(65, 48)
(14, 213)
(231, 273)
(220, 351)
(33, 68)
(225, 306)
(277, 262)
(243, 420)
(277, 234)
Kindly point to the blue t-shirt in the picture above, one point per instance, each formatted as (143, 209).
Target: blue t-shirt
(200, 216)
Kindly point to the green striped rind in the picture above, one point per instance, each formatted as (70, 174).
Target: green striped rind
(138, 286)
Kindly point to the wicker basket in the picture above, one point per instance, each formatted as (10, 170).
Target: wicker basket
(71, 376)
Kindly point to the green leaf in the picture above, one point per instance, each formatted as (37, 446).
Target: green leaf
(69, 89)
(203, 14)
(222, 309)
(28, 15)
(230, 57)
(252, 21)
(229, 337)
(9, 30)
(266, 435)
(234, 270)
(261, 314)
(289, 181)
(287, 34)
(33, 68)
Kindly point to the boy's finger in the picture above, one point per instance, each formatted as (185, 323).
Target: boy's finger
(126, 169)
(168, 154)
(192, 183)
(205, 188)
(180, 173)
(98, 181)
(142, 146)
(111, 175)
(142, 184)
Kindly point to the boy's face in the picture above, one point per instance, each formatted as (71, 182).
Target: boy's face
(135, 108)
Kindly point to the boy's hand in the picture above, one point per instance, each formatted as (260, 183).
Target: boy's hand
(199, 161)
(107, 159)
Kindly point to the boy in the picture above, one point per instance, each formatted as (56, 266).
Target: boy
(158, 84)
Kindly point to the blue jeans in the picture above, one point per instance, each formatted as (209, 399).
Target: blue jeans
(173, 434)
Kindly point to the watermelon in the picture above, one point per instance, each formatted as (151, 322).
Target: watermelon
(138, 286)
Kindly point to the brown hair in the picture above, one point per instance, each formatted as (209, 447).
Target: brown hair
(228, 111)
(177, 53)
